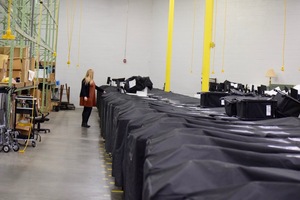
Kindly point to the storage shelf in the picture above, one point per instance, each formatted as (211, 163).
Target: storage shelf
(25, 88)
(35, 26)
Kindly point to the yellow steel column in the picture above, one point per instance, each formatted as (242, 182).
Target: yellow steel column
(169, 47)
(208, 26)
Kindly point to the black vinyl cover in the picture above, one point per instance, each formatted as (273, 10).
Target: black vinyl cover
(287, 106)
(212, 99)
(207, 175)
(235, 96)
(255, 108)
(188, 152)
(230, 105)
(127, 125)
(166, 147)
(253, 190)
(198, 137)
(134, 157)
(141, 83)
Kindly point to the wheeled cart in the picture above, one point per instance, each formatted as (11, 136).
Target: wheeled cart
(8, 137)
(25, 112)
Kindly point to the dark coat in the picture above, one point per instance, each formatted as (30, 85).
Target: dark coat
(85, 89)
(88, 90)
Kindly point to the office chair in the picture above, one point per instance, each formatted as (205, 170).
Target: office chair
(40, 118)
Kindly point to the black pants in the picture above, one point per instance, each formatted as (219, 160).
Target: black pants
(86, 115)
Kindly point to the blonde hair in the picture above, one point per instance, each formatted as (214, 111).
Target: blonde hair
(89, 77)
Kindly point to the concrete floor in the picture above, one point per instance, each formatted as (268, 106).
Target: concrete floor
(69, 163)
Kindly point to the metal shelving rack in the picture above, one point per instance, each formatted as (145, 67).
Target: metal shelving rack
(34, 23)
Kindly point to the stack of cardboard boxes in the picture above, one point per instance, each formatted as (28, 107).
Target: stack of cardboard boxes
(47, 72)
(3, 66)
(20, 65)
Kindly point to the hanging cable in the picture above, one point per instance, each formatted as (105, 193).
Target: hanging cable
(193, 37)
(8, 35)
(284, 37)
(71, 8)
(224, 41)
(35, 82)
(79, 37)
(126, 34)
(214, 37)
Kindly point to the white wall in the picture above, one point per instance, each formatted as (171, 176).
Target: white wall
(254, 41)
(185, 75)
(103, 42)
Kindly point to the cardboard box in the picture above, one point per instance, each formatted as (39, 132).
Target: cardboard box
(15, 74)
(6, 50)
(25, 68)
(32, 64)
(48, 64)
(48, 100)
(51, 78)
(20, 69)
(25, 64)
(36, 93)
(3, 73)
(17, 64)
(19, 85)
(26, 52)
(3, 66)
(23, 75)
(24, 130)
(28, 83)
(3, 61)
(17, 51)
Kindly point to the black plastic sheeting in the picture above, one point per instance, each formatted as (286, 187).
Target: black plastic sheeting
(165, 147)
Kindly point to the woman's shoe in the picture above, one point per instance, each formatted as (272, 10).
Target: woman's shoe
(85, 126)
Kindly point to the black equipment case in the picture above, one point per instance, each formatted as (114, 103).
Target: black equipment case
(287, 106)
(212, 99)
(255, 108)
(230, 105)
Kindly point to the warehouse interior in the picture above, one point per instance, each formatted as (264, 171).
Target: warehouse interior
(254, 42)
(194, 99)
